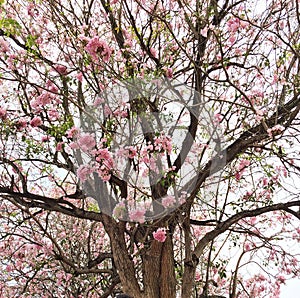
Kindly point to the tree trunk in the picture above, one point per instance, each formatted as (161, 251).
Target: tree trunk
(159, 273)
(167, 271)
(188, 279)
(122, 260)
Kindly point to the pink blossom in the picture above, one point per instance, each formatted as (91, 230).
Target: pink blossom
(243, 24)
(44, 99)
(59, 146)
(4, 46)
(120, 113)
(163, 143)
(169, 73)
(204, 31)
(217, 118)
(106, 163)
(168, 201)
(132, 152)
(96, 47)
(234, 24)
(104, 155)
(232, 39)
(259, 114)
(243, 164)
(107, 111)
(137, 215)
(61, 69)
(241, 168)
(51, 86)
(98, 101)
(3, 113)
(83, 172)
(198, 276)
(86, 142)
(153, 52)
(275, 130)
(79, 76)
(183, 197)
(21, 124)
(45, 139)
(128, 43)
(104, 174)
(281, 279)
(36, 121)
(238, 175)
(73, 145)
(282, 25)
(31, 10)
(53, 114)
(73, 132)
(160, 235)
(247, 246)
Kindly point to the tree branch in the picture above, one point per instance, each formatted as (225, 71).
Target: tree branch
(225, 225)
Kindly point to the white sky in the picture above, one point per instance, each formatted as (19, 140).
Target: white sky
(291, 289)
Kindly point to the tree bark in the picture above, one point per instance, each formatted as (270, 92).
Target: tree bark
(159, 272)
(167, 272)
(122, 259)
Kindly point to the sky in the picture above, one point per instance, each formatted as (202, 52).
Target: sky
(291, 289)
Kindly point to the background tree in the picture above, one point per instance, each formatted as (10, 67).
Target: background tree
(59, 59)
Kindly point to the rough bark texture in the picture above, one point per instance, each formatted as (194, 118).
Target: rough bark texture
(159, 274)
(167, 272)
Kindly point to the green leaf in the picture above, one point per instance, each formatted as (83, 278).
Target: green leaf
(10, 26)
(31, 41)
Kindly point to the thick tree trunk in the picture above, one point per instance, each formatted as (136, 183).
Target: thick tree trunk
(151, 268)
(122, 260)
(159, 279)
(159, 273)
(167, 270)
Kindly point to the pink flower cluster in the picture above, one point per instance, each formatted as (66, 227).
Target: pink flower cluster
(21, 124)
(36, 121)
(45, 98)
(163, 143)
(244, 163)
(168, 201)
(121, 112)
(127, 152)
(137, 215)
(160, 235)
(217, 118)
(275, 130)
(72, 132)
(169, 73)
(84, 171)
(85, 141)
(4, 46)
(105, 162)
(235, 23)
(61, 69)
(53, 114)
(52, 87)
(3, 113)
(96, 47)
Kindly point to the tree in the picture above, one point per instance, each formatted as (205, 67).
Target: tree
(90, 92)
